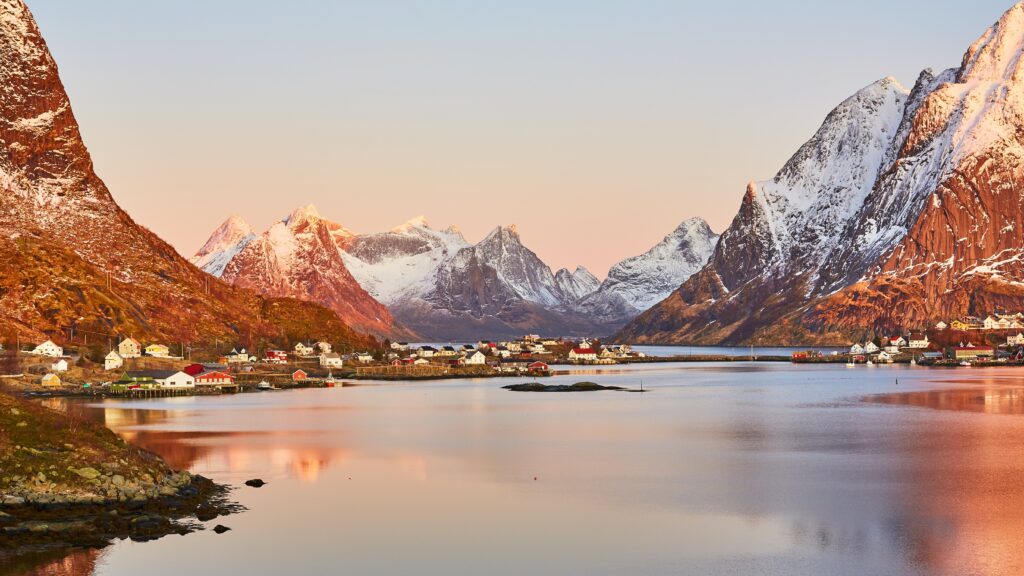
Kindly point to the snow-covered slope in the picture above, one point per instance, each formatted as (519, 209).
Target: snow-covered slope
(905, 208)
(226, 242)
(403, 262)
(573, 286)
(300, 257)
(643, 281)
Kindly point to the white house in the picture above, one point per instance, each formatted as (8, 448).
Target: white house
(941, 325)
(59, 366)
(400, 346)
(178, 380)
(113, 361)
(899, 342)
(884, 356)
(48, 348)
(129, 348)
(871, 348)
(426, 352)
(324, 347)
(303, 351)
(1017, 340)
(331, 360)
(856, 349)
(475, 358)
(502, 352)
(364, 357)
(919, 341)
(892, 349)
(421, 362)
(237, 356)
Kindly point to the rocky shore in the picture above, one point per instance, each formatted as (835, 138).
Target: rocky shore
(69, 483)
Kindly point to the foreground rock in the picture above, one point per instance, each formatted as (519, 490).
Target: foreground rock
(69, 483)
(578, 387)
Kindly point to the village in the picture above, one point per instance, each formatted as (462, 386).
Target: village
(134, 369)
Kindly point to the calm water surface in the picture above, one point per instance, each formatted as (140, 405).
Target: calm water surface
(718, 469)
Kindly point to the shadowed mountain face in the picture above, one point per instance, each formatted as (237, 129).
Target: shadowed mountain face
(72, 257)
(904, 209)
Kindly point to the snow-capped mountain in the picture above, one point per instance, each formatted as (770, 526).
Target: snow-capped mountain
(905, 208)
(226, 242)
(301, 257)
(574, 286)
(637, 283)
(73, 258)
(402, 262)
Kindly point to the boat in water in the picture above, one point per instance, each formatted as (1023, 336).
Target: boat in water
(264, 385)
(330, 382)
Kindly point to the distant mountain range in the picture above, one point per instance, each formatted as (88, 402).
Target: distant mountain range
(904, 209)
(436, 285)
(75, 263)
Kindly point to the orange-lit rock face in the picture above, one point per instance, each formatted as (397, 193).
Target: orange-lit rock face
(904, 209)
(71, 256)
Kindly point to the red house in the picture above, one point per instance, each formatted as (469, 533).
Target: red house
(299, 376)
(214, 378)
(194, 369)
(538, 367)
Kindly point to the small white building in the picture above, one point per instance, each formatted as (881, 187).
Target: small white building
(919, 341)
(871, 348)
(475, 358)
(48, 348)
(331, 360)
(237, 356)
(178, 380)
(59, 366)
(400, 346)
(1017, 340)
(304, 351)
(129, 348)
(421, 362)
(324, 347)
(857, 349)
(426, 352)
(113, 361)
(941, 325)
(884, 357)
(364, 357)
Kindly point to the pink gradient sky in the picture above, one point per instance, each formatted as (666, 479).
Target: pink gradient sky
(596, 128)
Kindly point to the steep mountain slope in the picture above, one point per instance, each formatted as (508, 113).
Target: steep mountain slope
(301, 257)
(904, 209)
(226, 242)
(401, 263)
(497, 288)
(637, 283)
(574, 286)
(72, 257)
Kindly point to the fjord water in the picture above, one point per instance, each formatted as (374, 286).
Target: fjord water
(735, 468)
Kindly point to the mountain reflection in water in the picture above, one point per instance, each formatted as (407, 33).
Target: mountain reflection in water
(719, 469)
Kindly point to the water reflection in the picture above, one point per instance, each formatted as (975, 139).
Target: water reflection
(731, 469)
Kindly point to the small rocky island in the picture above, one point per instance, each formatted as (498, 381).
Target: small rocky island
(68, 482)
(578, 387)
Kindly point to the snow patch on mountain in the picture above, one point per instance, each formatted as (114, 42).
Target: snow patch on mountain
(224, 244)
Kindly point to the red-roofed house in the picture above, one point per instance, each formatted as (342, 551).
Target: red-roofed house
(583, 355)
(214, 378)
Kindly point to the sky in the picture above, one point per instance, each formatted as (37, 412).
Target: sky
(595, 127)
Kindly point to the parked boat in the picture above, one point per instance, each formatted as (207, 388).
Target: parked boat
(330, 382)
(264, 385)
(966, 364)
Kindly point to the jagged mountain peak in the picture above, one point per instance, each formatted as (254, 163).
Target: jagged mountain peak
(996, 55)
(417, 222)
(307, 213)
